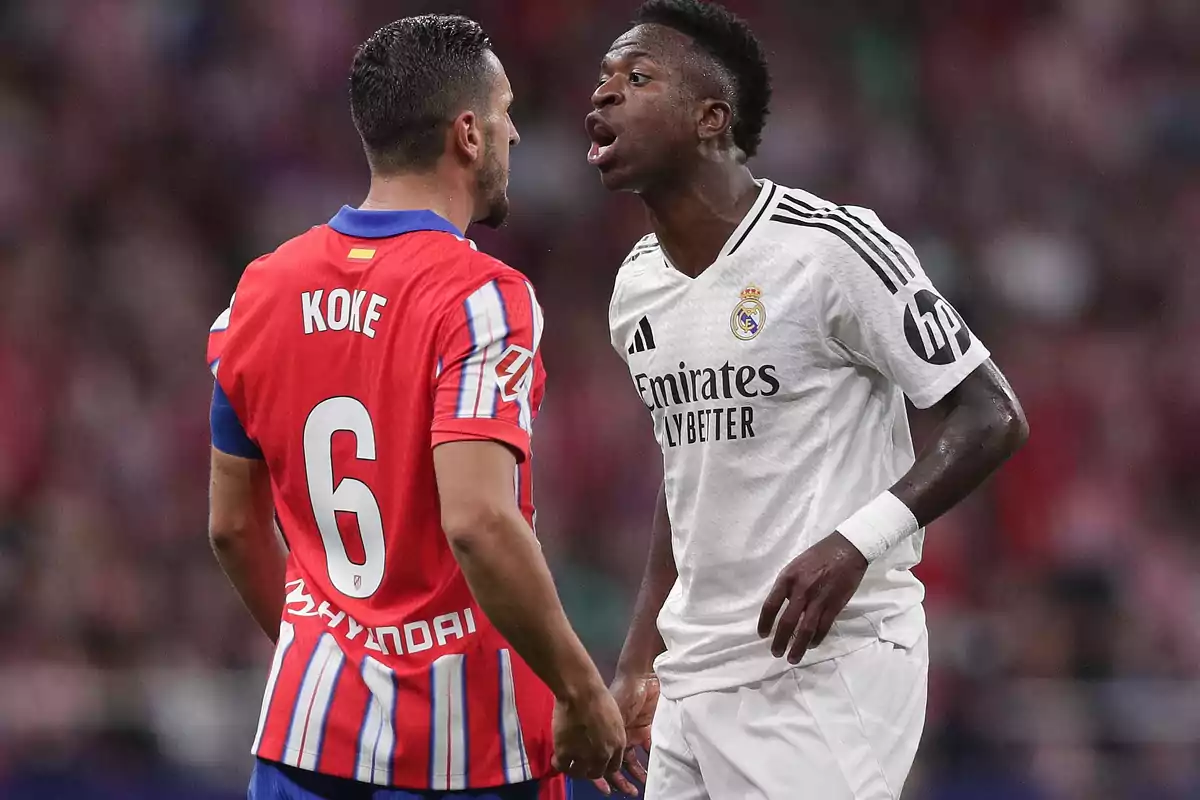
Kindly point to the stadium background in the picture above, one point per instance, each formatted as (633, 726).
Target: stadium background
(1043, 158)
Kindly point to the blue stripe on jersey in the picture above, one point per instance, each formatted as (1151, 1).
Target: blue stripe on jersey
(228, 435)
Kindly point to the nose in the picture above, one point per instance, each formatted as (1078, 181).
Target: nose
(606, 94)
(514, 138)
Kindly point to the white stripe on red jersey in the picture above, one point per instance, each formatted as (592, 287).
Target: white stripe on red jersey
(312, 704)
(523, 402)
(287, 633)
(516, 761)
(448, 716)
(377, 739)
(488, 324)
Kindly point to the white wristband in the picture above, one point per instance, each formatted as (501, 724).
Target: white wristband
(879, 525)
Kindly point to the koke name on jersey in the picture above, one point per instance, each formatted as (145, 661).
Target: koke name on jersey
(341, 310)
(690, 386)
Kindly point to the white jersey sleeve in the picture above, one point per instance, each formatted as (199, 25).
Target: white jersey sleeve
(881, 311)
(618, 324)
(614, 325)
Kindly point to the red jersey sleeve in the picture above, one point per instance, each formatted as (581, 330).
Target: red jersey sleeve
(488, 364)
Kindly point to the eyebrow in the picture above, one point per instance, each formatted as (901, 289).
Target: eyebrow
(626, 55)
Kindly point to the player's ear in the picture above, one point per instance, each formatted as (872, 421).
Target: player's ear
(714, 120)
(467, 136)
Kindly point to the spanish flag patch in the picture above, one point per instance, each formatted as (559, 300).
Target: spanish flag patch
(361, 254)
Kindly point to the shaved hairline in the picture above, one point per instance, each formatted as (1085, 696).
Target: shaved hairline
(714, 79)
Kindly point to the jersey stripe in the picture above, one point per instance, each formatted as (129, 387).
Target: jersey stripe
(833, 215)
(377, 738)
(488, 326)
(512, 740)
(524, 412)
(287, 633)
(867, 234)
(841, 234)
(757, 217)
(448, 713)
(312, 704)
(867, 231)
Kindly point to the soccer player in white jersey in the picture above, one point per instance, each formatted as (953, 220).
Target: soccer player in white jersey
(773, 336)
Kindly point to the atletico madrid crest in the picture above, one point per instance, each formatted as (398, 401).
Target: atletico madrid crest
(749, 316)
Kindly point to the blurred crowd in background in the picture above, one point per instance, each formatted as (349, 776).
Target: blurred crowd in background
(1042, 157)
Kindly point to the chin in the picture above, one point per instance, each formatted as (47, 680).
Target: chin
(616, 179)
(496, 214)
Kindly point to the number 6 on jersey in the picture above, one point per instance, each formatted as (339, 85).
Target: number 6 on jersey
(349, 495)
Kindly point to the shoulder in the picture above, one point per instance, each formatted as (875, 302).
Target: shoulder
(482, 293)
(473, 272)
(645, 256)
(844, 242)
(646, 246)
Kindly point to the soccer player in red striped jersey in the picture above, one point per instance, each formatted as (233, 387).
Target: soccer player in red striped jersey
(377, 381)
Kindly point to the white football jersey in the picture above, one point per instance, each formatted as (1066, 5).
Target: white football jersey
(776, 382)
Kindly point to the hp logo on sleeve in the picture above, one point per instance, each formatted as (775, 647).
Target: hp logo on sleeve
(934, 329)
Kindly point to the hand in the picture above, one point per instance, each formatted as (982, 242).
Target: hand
(816, 585)
(589, 735)
(636, 697)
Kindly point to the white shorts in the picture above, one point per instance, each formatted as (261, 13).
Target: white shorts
(842, 729)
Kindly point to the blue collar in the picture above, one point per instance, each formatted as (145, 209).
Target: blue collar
(380, 224)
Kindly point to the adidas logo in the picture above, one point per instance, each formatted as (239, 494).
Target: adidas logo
(643, 340)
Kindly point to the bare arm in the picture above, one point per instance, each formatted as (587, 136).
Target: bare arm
(635, 687)
(241, 530)
(643, 643)
(504, 566)
(983, 425)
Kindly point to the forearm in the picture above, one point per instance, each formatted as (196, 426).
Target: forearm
(508, 576)
(255, 563)
(644, 643)
(983, 426)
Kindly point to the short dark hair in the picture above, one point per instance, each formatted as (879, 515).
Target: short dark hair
(408, 80)
(727, 38)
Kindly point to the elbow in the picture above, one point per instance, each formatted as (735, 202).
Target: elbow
(1010, 425)
(226, 538)
(468, 525)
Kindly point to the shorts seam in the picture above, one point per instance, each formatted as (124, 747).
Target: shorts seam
(862, 728)
(829, 742)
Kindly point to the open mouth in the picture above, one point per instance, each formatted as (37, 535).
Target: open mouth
(604, 140)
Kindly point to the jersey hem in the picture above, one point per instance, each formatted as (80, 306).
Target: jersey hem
(459, 430)
(933, 393)
(296, 754)
(854, 634)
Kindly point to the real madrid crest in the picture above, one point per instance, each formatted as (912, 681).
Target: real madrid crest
(749, 316)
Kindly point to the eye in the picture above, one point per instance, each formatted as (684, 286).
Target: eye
(638, 78)
(603, 80)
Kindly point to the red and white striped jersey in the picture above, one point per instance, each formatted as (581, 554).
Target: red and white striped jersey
(350, 352)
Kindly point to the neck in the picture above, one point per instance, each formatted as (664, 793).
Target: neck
(694, 218)
(446, 197)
